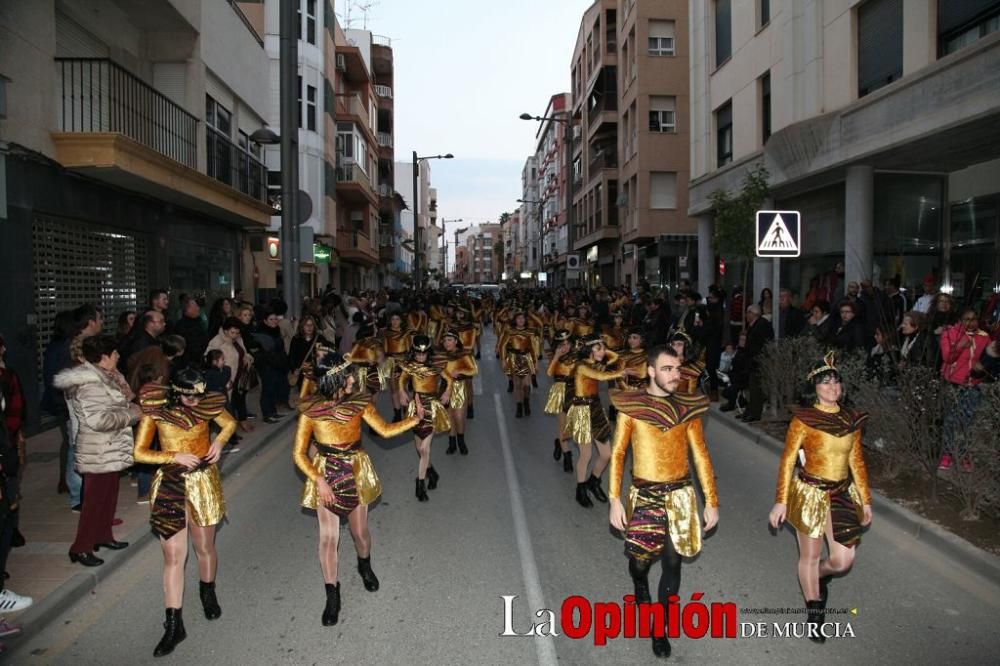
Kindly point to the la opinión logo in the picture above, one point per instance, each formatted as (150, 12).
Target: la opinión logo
(578, 617)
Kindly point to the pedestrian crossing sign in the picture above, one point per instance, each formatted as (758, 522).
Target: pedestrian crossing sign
(779, 233)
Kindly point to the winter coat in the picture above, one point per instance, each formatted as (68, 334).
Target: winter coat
(958, 363)
(104, 442)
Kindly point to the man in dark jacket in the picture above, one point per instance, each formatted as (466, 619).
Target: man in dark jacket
(190, 327)
(759, 333)
(712, 334)
(791, 320)
(272, 364)
(152, 326)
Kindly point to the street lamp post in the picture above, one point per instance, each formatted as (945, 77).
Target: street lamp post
(444, 245)
(567, 122)
(416, 212)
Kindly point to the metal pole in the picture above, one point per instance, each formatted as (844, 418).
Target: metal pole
(568, 177)
(775, 291)
(289, 47)
(416, 225)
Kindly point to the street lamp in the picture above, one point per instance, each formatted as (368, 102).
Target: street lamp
(416, 212)
(567, 121)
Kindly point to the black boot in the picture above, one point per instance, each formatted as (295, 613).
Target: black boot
(581, 495)
(462, 448)
(557, 452)
(567, 461)
(451, 446)
(332, 611)
(479, 354)
(208, 601)
(520, 410)
(612, 412)
(421, 491)
(824, 589)
(174, 633)
(815, 621)
(534, 381)
(432, 478)
(527, 406)
(367, 575)
(594, 486)
(470, 413)
(510, 386)
(396, 415)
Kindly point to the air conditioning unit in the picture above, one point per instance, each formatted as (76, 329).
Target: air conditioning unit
(573, 262)
(341, 62)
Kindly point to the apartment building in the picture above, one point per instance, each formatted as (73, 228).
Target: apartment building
(529, 231)
(658, 238)
(478, 257)
(594, 75)
(404, 178)
(125, 157)
(510, 234)
(879, 120)
(551, 158)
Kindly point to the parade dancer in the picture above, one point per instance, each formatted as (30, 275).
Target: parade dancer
(520, 347)
(396, 342)
(460, 365)
(660, 519)
(469, 334)
(829, 497)
(693, 368)
(340, 480)
(633, 357)
(426, 379)
(367, 358)
(186, 495)
(614, 334)
(561, 393)
(586, 419)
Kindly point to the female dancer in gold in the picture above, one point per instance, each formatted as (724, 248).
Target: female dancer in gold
(186, 495)
(693, 368)
(561, 371)
(396, 342)
(426, 379)
(340, 480)
(469, 332)
(633, 357)
(460, 365)
(830, 496)
(586, 419)
(614, 334)
(367, 357)
(520, 347)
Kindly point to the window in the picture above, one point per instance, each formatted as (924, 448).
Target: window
(662, 190)
(3, 96)
(311, 108)
(310, 21)
(765, 13)
(962, 23)
(765, 107)
(724, 134)
(661, 38)
(662, 114)
(218, 117)
(219, 150)
(723, 31)
(880, 44)
(299, 94)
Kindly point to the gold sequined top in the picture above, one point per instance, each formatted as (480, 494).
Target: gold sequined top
(467, 334)
(563, 366)
(830, 453)
(340, 434)
(366, 352)
(523, 340)
(417, 321)
(184, 434)
(660, 431)
(426, 379)
(614, 337)
(633, 359)
(691, 373)
(589, 375)
(396, 341)
(581, 327)
(461, 363)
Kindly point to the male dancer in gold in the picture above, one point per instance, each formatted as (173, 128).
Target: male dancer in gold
(661, 517)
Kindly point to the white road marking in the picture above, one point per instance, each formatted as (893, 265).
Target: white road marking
(544, 645)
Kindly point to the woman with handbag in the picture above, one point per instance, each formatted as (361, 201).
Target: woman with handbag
(340, 480)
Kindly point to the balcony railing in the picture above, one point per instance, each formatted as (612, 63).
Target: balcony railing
(353, 105)
(385, 190)
(352, 173)
(379, 40)
(385, 140)
(383, 91)
(603, 159)
(100, 96)
(230, 164)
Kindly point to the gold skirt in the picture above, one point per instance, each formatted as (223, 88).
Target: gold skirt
(554, 403)
(365, 479)
(520, 365)
(439, 415)
(808, 507)
(683, 522)
(203, 493)
(578, 424)
(459, 394)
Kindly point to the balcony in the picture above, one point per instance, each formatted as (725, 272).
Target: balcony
(115, 127)
(385, 145)
(355, 246)
(353, 185)
(603, 159)
(381, 55)
(384, 95)
(387, 254)
(355, 69)
(352, 109)
(230, 164)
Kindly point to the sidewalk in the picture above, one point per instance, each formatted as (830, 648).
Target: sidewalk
(41, 568)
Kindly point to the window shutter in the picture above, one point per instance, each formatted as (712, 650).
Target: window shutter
(880, 44)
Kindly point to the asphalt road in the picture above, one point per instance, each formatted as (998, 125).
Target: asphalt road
(504, 522)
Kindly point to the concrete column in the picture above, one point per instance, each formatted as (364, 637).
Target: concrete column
(763, 276)
(706, 255)
(859, 223)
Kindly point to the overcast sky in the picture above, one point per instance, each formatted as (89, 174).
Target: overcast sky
(464, 71)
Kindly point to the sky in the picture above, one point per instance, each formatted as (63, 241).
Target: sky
(464, 71)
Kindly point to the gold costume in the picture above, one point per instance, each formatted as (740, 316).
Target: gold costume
(184, 430)
(336, 427)
(691, 373)
(586, 419)
(365, 356)
(633, 359)
(831, 441)
(661, 430)
(396, 342)
(614, 337)
(462, 367)
(417, 321)
(519, 349)
(581, 327)
(561, 372)
(426, 382)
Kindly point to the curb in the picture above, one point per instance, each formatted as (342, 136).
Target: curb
(922, 530)
(37, 618)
